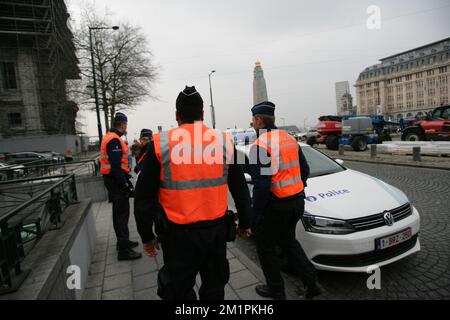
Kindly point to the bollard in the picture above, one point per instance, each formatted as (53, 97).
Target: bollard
(341, 149)
(373, 151)
(416, 154)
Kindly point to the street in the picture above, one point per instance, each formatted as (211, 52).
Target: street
(425, 275)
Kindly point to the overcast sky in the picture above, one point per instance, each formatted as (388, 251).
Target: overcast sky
(304, 46)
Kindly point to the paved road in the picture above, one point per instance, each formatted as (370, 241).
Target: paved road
(425, 275)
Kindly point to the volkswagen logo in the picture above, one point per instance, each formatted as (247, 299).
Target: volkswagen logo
(389, 219)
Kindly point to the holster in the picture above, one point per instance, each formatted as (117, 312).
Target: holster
(231, 226)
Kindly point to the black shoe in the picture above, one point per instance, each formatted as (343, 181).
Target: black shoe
(265, 292)
(312, 292)
(128, 254)
(130, 244)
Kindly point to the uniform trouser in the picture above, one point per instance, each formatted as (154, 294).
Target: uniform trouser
(121, 213)
(278, 229)
(188, 252)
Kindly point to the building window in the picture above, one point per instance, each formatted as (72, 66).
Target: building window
(430, 73)
(409, 77)
(442, 69)
(15, 120)
(8, 75)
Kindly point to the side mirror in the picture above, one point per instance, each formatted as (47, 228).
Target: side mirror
(340, 161)
(248, 178)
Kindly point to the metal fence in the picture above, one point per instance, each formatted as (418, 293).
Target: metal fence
(79, 168)
(21, 227)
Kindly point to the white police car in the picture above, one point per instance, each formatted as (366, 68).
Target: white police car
(352, 220)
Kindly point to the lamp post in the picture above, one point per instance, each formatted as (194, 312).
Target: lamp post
(284, 121)
(213, 113)
(94, 77)
(304, 124)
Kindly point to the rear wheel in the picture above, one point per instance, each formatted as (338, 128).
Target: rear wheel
(332, 143)
(359, 144)
(413, 136)
(311, 141)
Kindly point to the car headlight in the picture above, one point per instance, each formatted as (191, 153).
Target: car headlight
(326, 225)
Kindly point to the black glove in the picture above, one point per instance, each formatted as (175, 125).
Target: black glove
(130, 189)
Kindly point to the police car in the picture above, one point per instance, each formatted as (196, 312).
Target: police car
(352, 221)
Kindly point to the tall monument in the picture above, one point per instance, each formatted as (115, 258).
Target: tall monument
(259, 85)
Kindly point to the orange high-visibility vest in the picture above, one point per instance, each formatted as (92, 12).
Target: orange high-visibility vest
(285, 163)
(105, 165)
(194, 173)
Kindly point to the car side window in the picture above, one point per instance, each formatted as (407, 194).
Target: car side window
(446, 114)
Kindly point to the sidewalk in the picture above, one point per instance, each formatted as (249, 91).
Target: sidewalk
(110, 279)
(429, 162)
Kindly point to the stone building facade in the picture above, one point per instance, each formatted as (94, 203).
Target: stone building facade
(37, 57)
(406, 85)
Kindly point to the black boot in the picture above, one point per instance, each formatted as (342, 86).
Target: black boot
(130, 244)
(128, 254)
(265, 292)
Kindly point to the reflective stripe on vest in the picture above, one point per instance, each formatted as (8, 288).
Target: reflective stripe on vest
(289, 172)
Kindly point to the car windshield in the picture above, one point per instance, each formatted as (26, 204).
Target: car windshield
(319, 164)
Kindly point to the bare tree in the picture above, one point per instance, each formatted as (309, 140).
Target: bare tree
(123, 65)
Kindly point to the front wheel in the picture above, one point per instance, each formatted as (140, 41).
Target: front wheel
(359, 144)
(311, 141)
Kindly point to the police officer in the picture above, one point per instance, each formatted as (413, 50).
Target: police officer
(279, 171)
(145, 138)
(115, 168)
(191, 193)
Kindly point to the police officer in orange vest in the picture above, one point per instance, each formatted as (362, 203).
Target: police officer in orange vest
(115, 168)
(185, 177)
(279, 171)
(145, 138)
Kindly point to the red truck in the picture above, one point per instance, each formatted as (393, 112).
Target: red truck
(329, 129)
(436, 127)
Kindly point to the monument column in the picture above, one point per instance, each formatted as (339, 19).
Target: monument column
(259, 85)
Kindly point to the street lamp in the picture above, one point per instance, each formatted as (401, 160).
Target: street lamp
(97, 107)
(213, 113)
(284, 121)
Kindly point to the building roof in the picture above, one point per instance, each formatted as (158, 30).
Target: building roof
(423, 55)
(416, 49)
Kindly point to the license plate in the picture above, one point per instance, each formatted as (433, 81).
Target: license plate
(392, 240)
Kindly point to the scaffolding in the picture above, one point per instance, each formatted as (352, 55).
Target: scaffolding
(36, 36)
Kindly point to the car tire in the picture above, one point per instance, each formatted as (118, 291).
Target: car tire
(359, 144)
(332, 143)
(311, 141)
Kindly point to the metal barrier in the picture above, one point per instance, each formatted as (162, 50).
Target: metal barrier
(80, 168)
(23, 226)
